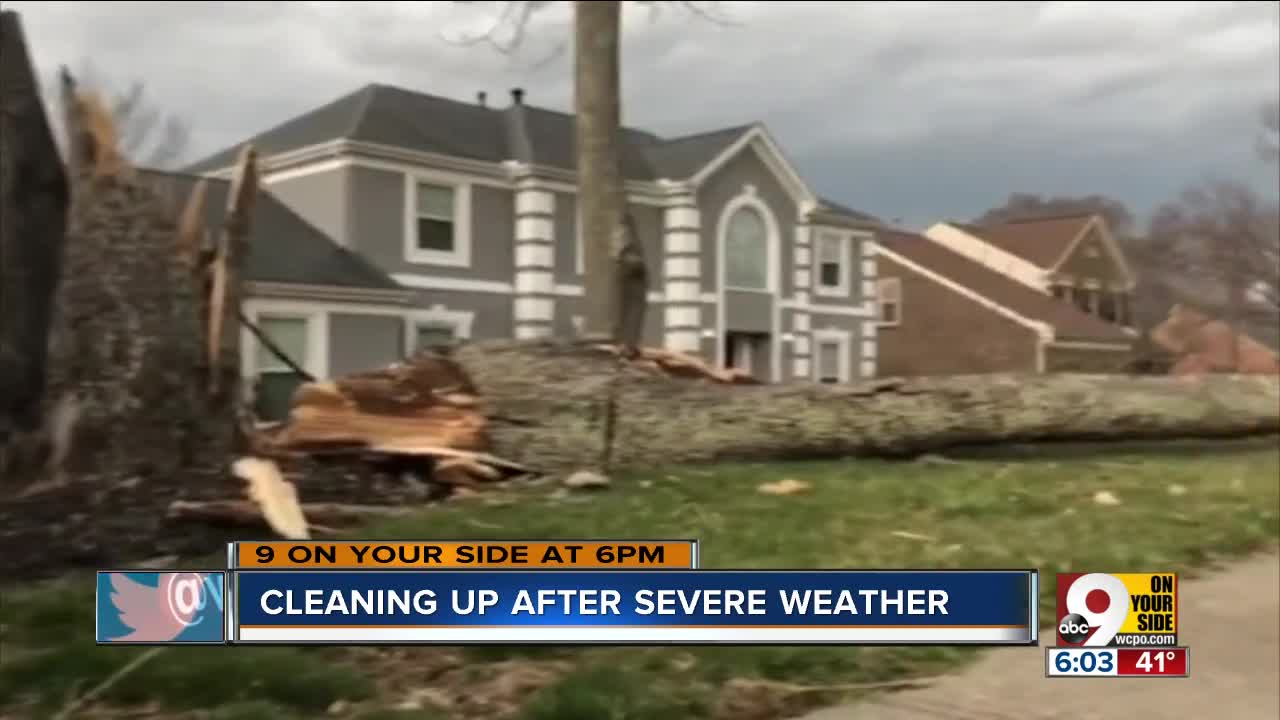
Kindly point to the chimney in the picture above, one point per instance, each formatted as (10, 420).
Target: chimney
(517, 96)
(481, 98)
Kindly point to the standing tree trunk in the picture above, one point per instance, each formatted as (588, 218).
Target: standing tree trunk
(597, 58)
(33, 222)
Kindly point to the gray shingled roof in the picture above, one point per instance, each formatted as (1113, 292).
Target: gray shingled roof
(283, 247)
(417, 121)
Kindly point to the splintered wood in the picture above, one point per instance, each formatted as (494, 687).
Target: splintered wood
(675, 364)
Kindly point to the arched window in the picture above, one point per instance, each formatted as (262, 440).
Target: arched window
(746, 250)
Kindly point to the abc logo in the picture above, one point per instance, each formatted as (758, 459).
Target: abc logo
(1073, 628)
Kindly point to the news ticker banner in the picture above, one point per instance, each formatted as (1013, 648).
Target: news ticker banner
(464, 554)
(568, 607)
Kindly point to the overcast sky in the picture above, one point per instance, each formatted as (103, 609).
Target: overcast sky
(911, 111)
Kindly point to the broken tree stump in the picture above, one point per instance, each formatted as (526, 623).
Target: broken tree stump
(33, 218)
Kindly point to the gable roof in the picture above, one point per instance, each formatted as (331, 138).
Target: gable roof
(283, 248)
(1068, 322)
(396, 117)
(1040, 241)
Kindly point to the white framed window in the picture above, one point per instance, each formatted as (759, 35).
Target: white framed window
(889, 301)
(437, 221)
(746, 250)
(832, 263)
(831, 349)
(436, 326)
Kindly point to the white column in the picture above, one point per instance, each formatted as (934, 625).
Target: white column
(802, 344)
(533, 305)
(682, 272)
(870, 328)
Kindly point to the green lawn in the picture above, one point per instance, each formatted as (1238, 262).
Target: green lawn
(1173, 512)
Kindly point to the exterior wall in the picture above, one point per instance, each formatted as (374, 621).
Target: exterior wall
(1085, 360)
(322, 199)
(848, 331)
(364, 342)
(943, 333)
(377, 227)
(570, 307)
(488, 314)
(746, 179)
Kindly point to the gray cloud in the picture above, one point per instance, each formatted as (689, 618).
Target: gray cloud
(909, 110)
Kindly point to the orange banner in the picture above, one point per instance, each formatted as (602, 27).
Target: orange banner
(461, 554)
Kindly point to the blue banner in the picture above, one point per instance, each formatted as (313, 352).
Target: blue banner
(650, 607)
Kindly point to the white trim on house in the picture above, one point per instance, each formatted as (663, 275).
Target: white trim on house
(326, 293)
(858, 311)
(758, 138)
(988, 255)
(316, 317)
(459, 321)
(843, 340)
(432, 282)
(1042, 329)
(1083, 345)
(579, 249)
(748, 198)
(460, 255)
(844, 258)
(773, 272)
(1108, 243)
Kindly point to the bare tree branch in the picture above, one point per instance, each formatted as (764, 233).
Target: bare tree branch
(149, 136)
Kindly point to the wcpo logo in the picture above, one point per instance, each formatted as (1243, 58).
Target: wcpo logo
(1107, 609)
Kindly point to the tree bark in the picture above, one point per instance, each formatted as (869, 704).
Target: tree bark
(33, 221)
(597, 81)
(553, 388)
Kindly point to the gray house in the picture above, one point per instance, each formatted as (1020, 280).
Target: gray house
(470, 211)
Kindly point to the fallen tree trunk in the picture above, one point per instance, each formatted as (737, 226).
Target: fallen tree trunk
(556, 391)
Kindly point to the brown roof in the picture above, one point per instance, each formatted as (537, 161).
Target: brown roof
(1068, 322)
(1040, 241)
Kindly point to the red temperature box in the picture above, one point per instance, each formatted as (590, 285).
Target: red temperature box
(1152, 662)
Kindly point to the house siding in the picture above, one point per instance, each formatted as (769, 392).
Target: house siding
(721, 188)
(648, 220)
(364, 342)
(321, 199)
(492, 318)
(567, 308)
(377, 227)
(943, 332)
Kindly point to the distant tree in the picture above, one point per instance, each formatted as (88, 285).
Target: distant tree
(598, 114)
(1224, 233)
(1029, 206)
(147, 135)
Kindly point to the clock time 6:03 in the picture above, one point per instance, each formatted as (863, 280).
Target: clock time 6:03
(1116, 662)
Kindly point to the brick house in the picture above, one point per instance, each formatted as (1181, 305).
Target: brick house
(1033, 296)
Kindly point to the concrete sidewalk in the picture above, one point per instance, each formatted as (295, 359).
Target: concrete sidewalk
(1230, 619)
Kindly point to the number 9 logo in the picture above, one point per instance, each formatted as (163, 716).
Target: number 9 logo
(1103, 601)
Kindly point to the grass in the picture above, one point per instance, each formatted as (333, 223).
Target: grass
(1174, 512)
